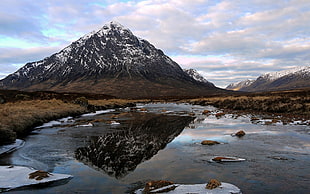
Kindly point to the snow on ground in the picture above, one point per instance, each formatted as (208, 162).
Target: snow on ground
(12, 177)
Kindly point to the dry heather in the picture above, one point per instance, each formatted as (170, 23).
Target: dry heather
(16, 119)
(274, 103)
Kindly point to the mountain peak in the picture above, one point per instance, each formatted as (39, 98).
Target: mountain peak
(111, 60)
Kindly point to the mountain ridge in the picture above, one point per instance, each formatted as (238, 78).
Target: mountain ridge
(112, 61)
(294, 78)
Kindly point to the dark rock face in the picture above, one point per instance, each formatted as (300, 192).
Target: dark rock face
(120, 152)
(111, 61)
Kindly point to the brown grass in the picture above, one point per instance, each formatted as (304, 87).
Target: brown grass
(287, 103)
(17, 119)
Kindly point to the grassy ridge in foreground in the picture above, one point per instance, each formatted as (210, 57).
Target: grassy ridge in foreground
(295, 103)
(17, 119)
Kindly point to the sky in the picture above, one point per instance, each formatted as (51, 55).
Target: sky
(226, 41)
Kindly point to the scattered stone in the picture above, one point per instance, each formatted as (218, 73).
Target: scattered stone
(98, 121)
(39, 175)
(209, 142)
(254, 119)
(212, 184)
(240, 133)
(114, 116)
(153, 185)
(220, 114)
(205, 112)
(191, 114)
(143, 109)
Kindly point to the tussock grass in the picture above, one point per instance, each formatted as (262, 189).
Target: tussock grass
(284, 103)
(17, 119)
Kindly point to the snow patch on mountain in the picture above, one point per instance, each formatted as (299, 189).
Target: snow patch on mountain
(197, 76)
(276, 75)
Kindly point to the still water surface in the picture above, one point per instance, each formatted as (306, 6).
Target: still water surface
(162, 142)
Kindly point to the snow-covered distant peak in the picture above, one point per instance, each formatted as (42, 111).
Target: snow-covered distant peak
(194, 74)
(276, 75)
(239, 85)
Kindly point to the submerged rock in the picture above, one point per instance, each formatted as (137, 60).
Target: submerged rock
(205, 112)
(209, 142)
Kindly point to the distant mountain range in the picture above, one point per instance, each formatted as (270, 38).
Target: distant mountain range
(112, 61)
(295, 78)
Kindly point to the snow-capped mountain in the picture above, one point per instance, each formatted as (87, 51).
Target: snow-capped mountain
(282, 80)
(112, 61)
(237, 86)
(197, 76)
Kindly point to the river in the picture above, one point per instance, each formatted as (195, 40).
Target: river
(117, 151)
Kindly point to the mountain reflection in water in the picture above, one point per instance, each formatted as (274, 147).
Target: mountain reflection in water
(117, 153)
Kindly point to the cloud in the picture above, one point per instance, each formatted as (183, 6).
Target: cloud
(225, 40)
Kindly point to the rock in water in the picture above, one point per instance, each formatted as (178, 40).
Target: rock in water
(240, 133)
(213, 183)
(209, 142)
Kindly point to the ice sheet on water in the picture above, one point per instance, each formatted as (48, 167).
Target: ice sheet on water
(98, 112)
(11, 147)
(225, 188)
(12, 177)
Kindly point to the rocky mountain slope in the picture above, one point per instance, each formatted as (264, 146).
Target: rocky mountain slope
(112, 61)
(239, 85)
(197, 76)
(282, 80)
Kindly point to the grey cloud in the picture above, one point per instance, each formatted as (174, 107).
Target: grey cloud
(17, 55)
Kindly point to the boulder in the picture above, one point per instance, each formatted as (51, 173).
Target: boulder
(209, 142)
(213, 183)
(205, 112)
(39, 175)
(219, 115)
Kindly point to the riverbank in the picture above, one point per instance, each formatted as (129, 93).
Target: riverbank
(290, 104)
(17, 119)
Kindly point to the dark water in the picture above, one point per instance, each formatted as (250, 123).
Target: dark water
(164, 143)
